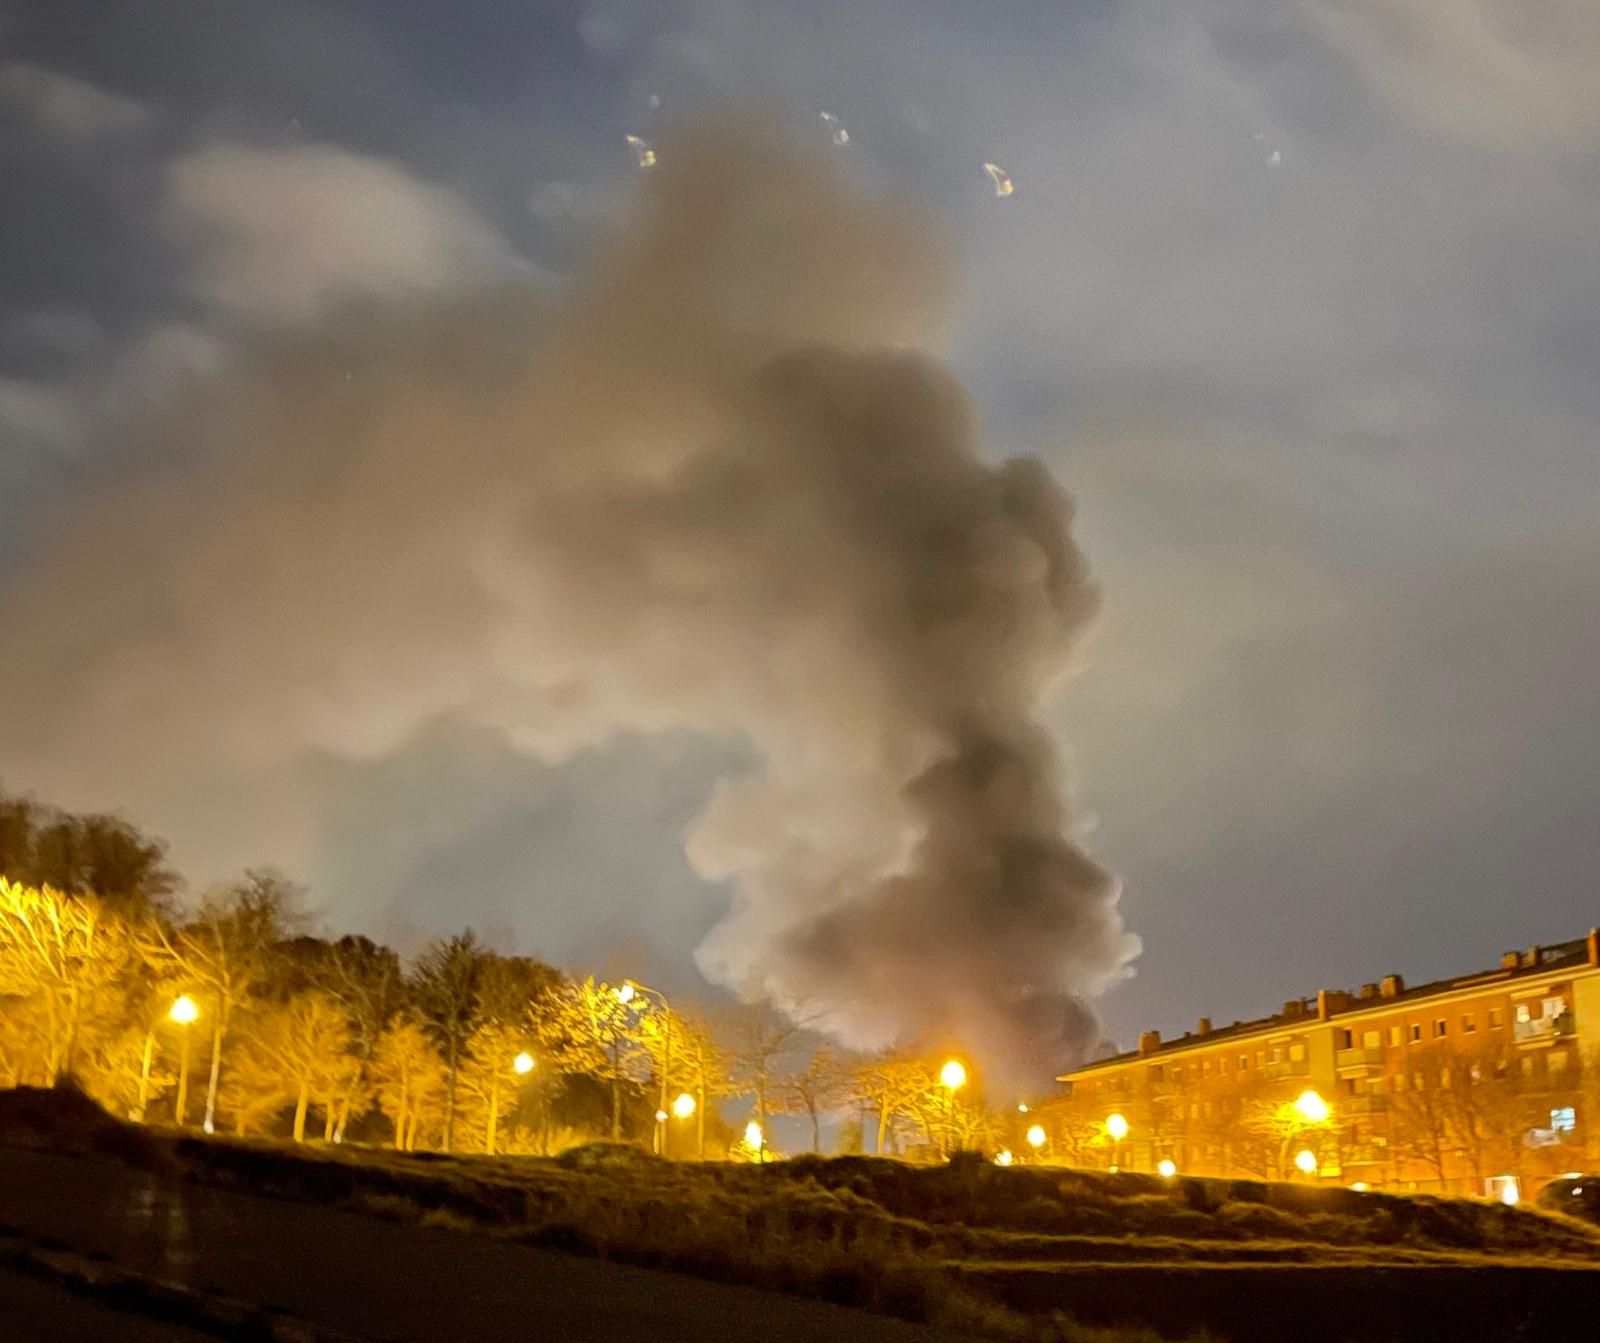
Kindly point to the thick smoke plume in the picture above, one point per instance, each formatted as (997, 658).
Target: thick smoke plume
(714, 487)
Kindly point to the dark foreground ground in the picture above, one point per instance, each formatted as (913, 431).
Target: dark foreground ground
(366, 1245)
(374, 1279)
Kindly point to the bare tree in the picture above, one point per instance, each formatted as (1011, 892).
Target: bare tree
(446, 982)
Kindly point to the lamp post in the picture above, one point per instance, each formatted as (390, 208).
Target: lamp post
(184, 1012)
(1117, 1127)
(1307, 1109)
(1036, 1137)
(630, 990)
(952, 1077)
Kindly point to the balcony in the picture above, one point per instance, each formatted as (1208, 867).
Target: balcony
(1273, 1071)
(1545, 1030)
(1362, 1105)
(1350, 1060)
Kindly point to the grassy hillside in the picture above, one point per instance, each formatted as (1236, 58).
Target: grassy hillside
(945, 1243)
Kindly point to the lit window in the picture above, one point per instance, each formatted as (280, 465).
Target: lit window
(1524, 1013)
(1394, 1035)
(1563, 1119)
(1297, 1053)
(1439, 1028)
(1468, 1024)
(1373, 1040)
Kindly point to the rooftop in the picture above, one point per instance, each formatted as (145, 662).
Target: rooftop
(1392, 989)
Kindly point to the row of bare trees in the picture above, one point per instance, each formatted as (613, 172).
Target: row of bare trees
(286, 1032)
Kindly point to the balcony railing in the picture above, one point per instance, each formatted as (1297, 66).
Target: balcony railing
(1359, 1058)
(1286, 1069)
(1363, 1105)
(1545, 1029)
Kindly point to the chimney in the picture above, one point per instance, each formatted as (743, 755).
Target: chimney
(1149, 1042)
(1510, 960)
(1594, 946)
(1294, 1008)
(1204, 1026)
(1330, 1001)
(1531, 957)
(1369, 990)
(1392, 987)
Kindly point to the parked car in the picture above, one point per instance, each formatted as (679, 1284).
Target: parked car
(1575, 1195)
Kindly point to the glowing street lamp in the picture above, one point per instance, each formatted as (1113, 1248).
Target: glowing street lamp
(523, 1064)
(625, 993)
(683, 1106)
(1167, 1167)
(953, 1076)
(1036, 1137)
(1311, 1107)
(1003, 1157)
(1117, 1127)
(661, 1116)
(1305, 1161)
(755, 1140)
(184, 1012)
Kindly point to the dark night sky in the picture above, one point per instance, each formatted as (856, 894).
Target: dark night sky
(1301, 301)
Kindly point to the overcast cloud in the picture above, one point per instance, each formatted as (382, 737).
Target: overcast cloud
(1300, 300)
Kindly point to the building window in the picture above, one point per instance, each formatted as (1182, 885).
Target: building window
(1394, 1035)
(1348, 1039)
(1349, 1085)
(1244, 1062)
(1205, 1067)
(1297, 1053)
(1416, 1031)
(1468, 1024)
(1373, 1040)
(1496, 1019)
(1527, 1065)
(1557, 1062)
(1563, 1119)
(1399, 1081)
(1439, 1029)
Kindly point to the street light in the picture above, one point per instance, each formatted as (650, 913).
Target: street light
(661, 1116)
(523, 1064)
(1167, 1167)
(683, 1107)
(626, 992)
(1036, 1137)
(1305, 1161)
(185, 1012)
(952, 1077)
(1311, 1107)
(755, 1140)
(1003, 1157)
(1117, 1127)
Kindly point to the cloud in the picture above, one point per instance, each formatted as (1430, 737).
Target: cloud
(38, 415)
(1506, 76)
(62, 105)
(286, 234)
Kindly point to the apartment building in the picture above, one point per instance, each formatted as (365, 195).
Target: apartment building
(1474, 1084)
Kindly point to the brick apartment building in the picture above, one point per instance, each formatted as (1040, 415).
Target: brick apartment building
(1475, 1084)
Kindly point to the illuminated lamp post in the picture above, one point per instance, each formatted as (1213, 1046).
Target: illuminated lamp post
(1117, 1127)
(184, 1012)
(952, 1077)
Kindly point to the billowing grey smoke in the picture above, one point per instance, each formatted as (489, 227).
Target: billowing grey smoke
(713, 488)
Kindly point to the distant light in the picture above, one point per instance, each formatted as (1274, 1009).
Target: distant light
(753, 1137)
(625, 994)
(661, 1116)
(1306, 1160)
(1573, 1175)
(208, 1127)
(1311, 1107)
(953, 1076)
(683, 1106)
(1167, 1167)
(1003, 1157)
(184, 1010)
(1117, 1126)
(1576, 1190)
(1360, 1186)
(1510, 1192)
(1022, 1107)
(523, 1063)
(1036, 1136)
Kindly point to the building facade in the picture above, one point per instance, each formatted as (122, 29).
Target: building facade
(1486, 1083)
